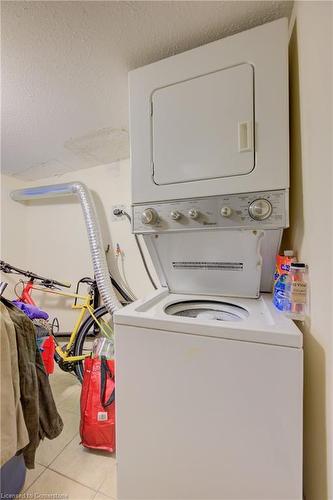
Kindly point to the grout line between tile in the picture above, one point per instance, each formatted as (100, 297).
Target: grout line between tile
(103, 480)
(33, 482)
(104, 495)
(61, 451)
(68, 477)
(49, 466)
(74, 480)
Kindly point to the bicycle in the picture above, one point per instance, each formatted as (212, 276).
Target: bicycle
(71, 355)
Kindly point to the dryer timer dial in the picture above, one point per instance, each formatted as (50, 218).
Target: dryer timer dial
(260, 209)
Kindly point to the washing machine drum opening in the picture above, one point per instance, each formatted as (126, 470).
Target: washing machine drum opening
(207, 310)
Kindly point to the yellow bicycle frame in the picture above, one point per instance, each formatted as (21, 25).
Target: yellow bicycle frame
(84, 306)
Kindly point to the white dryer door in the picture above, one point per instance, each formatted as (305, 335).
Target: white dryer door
(203, 128)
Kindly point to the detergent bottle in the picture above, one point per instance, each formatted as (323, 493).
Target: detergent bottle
(283, 263)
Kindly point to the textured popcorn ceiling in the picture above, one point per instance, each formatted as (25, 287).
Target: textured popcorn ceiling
(65, 65)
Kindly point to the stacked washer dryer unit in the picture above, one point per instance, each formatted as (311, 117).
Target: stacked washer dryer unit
(209, 375)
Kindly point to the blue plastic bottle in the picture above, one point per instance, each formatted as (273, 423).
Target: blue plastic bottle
(280, 296)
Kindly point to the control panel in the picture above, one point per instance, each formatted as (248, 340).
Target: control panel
(259, 210)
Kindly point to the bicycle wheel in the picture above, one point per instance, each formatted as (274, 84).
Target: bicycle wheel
(87, 334)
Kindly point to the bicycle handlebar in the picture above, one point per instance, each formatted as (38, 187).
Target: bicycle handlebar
(48, 282)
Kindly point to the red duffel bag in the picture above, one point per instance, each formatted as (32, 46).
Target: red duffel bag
(97, 426)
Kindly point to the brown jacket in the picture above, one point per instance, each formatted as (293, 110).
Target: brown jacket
(14, 434)
(40, 413)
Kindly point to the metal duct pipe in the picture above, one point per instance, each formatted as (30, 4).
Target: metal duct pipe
(100, 267)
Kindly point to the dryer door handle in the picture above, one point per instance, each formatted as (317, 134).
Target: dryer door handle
(245, 136)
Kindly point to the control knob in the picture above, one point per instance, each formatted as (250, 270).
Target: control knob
(193, 213)
(149, 216)
(260, 209)
(226, 211)
(175, 215)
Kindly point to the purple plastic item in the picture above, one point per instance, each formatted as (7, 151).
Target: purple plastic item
(33, 312)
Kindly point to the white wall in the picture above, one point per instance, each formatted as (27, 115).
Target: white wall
(311, 88)
(14, 230)
(57, 244)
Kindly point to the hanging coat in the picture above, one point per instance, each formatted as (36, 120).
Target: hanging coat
(40, 413)
(14, 434)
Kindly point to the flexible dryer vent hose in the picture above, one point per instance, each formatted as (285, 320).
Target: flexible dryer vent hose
(93, 229)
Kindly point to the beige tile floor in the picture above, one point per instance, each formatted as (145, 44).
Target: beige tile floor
(63, 466)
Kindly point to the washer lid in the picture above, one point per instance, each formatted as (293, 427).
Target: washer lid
(207, 310)
(222, 262)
